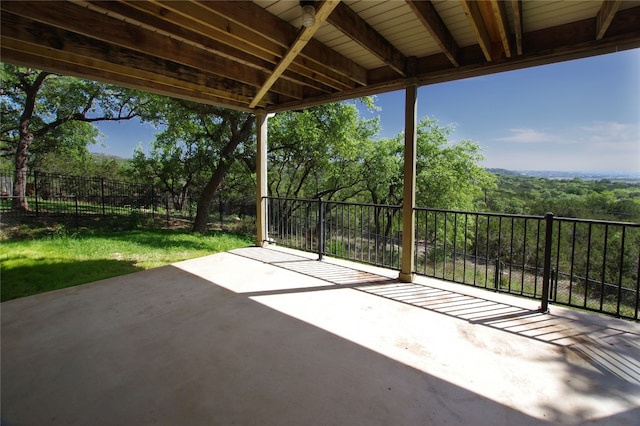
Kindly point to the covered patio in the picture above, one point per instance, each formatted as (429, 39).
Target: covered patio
(269, 336)
(291, 340)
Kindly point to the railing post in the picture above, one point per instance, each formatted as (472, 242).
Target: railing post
(153, 202)
(546, 271)
(321, 237)
(104, 213)
(35, 191)
(75, 197)
(167, 209)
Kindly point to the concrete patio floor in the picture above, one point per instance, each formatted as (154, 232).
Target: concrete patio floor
(273, 337)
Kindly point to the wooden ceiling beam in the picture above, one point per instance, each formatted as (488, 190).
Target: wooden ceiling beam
(502, 26)
(114, 31)
(324, 9)
(148, 82)
(474, 16)
(605, 16)
(163, 54)
(352, 25)
(316, 56)
(231, 43)
(159, 19)
(61, 43)
(436, 27)
(516, 5)
(142, 14)
(555, 44)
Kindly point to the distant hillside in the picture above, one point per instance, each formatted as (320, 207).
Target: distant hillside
(612, 176)
(99, 155)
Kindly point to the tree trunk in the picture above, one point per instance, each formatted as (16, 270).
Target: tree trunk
(209, 191)
(19, 201)
(226, 159)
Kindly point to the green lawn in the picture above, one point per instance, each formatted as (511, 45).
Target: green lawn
(64, 259)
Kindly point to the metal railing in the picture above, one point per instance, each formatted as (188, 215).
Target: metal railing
(58, 194)
(588, 264)
(493, 251)
(60, 197)
(366, 233)
(596, 266)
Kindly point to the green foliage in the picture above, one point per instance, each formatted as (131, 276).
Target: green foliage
(317, 151)
(383, 160)
(88, 165)
(586, 199)
(448, 174)
(193, 155)
(63, 112)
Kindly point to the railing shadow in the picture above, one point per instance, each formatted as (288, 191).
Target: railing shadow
(600, 341)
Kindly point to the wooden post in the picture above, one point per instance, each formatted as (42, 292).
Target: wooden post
(261, 178)
(409, 188)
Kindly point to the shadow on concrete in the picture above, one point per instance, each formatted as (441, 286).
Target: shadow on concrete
(606, 347)
(166, 347)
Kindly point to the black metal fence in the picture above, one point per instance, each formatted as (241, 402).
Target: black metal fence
(65, 197)
(493, 251)
(363, 232)
(596, 266)
(589, 264)
(57, 194)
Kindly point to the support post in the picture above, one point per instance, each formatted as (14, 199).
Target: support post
(546, 267)
(261, 178)
(409, 188)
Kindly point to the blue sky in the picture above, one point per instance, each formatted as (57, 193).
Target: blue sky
(581, 115)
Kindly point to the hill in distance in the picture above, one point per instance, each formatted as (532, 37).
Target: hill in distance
(584, 175)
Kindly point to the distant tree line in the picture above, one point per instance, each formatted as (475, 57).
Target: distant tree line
(576, 198)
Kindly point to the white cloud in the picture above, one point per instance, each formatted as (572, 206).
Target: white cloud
(599, 145)
(600, 134)
(527, 136)
(611, 136)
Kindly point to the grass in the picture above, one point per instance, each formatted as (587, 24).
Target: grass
(56, 259)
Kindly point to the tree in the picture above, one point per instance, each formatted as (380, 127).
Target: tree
(195, 151)
(384, 165)
(449, 175)
(317, 152)
(44, 112)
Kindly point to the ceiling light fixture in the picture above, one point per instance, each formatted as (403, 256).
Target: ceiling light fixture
(308, 13)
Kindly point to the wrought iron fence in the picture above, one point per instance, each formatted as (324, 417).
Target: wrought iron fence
(493, 251)
(46, 194)
(64, 197)
(588, 264)
(367, 233)
(596, 266)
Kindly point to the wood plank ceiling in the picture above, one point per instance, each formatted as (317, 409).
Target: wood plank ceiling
(247, 55)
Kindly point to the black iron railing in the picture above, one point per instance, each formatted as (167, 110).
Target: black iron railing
(64, 198)
(596, 266)
(365, 233)
(58, 194)
(493, 251)
(587, 264)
